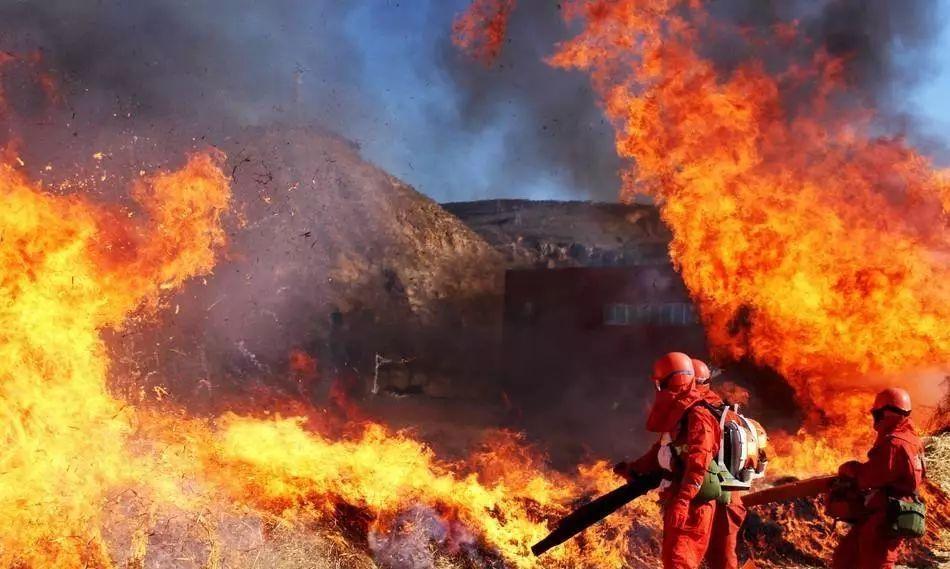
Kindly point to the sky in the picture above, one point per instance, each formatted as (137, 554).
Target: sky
(414, 100)
(384, 74)
(930, 98)
(418, 126)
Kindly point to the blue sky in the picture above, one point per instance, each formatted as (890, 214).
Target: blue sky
(409, 120)
(412, 126)
(384, 74)
(930, 99)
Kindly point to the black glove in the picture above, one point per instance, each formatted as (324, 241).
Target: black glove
(622, 469)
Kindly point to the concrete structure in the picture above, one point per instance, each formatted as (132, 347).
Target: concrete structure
(599, 325)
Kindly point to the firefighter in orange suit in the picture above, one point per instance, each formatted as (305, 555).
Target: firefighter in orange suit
(703, 375)
(729, 516)
(694, 433)
(889, 479)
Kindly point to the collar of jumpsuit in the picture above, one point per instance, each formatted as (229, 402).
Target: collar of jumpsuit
(893, 425)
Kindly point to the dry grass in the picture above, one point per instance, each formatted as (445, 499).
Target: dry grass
(938, 471)
(938, 461)
(297, 548)
(142, 537)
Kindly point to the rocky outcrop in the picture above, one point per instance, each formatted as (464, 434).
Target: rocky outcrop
(537, 234)
(332, 255)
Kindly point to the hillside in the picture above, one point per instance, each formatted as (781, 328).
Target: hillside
(537, 234)
(331, 255)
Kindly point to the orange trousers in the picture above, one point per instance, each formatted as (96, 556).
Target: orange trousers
(727, 522)
(868, 545)
(684, 547)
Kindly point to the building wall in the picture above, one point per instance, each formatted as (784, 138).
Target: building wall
(579, 342)
(608, 319)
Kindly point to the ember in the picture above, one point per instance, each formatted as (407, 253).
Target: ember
(480, 32)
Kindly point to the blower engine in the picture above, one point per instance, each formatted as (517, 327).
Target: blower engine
(742, 457)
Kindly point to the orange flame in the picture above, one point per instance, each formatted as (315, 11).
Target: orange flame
(810, 243)
(386, 473)
(480, 31)
(755, 196)
(71, 269)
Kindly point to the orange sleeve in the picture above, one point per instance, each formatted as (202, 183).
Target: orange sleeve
(648, 463)
(702, 442)
(882, 468)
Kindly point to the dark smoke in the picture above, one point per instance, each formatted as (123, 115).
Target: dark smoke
(385, 73)
(558, 127)
(207, 63)
(883, 41)
(888, 46)
(187, 61)
(885, 44)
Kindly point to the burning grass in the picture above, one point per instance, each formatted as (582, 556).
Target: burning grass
(142, 534)
(149, 487)
(783, 231)
(81, 465)
(799, 534)
(222, 537)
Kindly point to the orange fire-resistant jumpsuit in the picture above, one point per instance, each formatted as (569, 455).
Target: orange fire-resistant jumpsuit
(687, 525)
(894, 468)
(727, 522)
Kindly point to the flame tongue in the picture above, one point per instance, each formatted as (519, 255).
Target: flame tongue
(71, 269)
(811, 245)
(79, 465)
(788, 230)
(480, 30)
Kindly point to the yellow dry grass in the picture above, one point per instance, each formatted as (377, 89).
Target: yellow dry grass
(938, 461)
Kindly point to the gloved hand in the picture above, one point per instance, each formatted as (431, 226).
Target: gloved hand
(678, 512)
(622, 469)
(849, 469)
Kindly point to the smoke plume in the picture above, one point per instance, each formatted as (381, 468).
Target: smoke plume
(387, 76)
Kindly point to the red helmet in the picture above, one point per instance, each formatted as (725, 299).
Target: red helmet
(893, 398)
(676, 391)
(673, 371)
(702, 371)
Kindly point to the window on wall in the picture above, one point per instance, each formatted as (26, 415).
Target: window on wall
(664, 314)
(617, 315)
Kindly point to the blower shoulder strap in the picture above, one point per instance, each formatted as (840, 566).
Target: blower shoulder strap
(717, 411)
